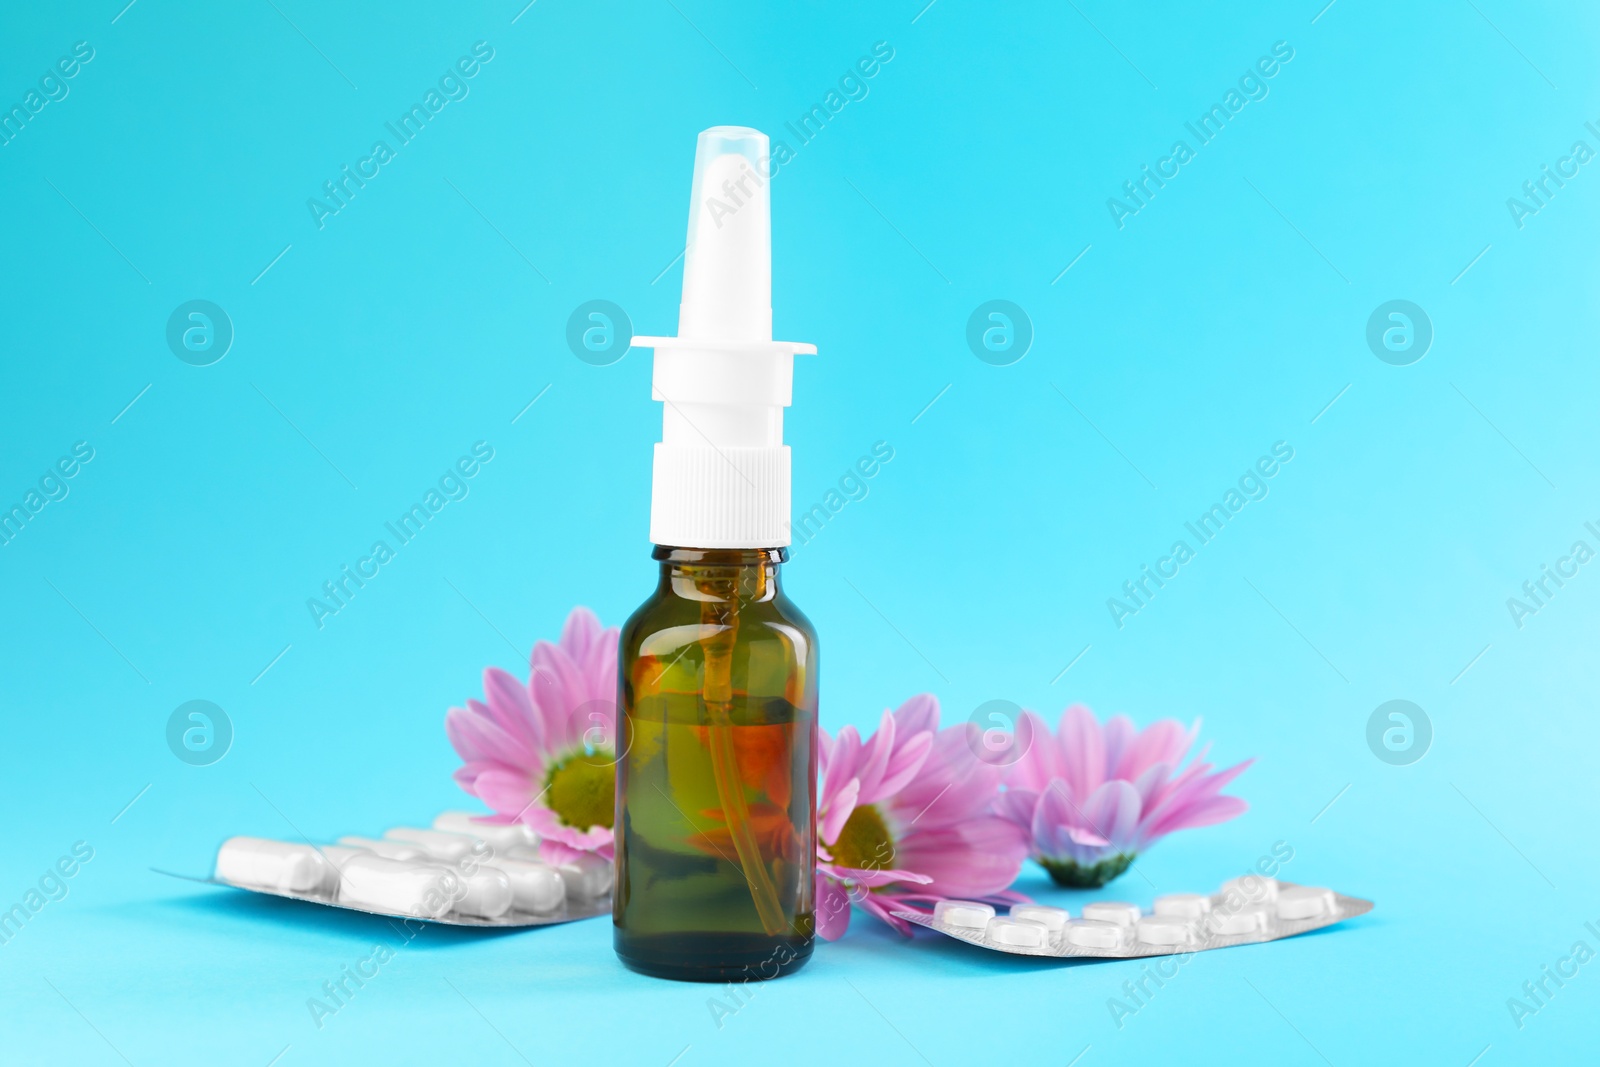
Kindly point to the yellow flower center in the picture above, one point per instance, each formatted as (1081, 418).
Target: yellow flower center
(865, 842)
(582, 790)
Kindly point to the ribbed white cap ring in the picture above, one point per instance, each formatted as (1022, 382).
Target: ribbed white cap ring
(720, 497)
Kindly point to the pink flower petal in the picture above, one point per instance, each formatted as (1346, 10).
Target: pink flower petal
(1161, 742)
(510, 707)
(876, 878)
(1207, 812)
(506, 791)
(1193, 806)
(840, 807)
(558, 689)
(979, 856)
(1113, 813)
(918, 715)
(833, 909)
(824, 751)
(953, 784)
(1083, 750)
(582, 635)
(906, 763)
(1152, 784)
(1017, 805)
(875, 758)
(475, 736)
(458, 723)
(1041, 761)
(467, 774)
(843, 766)
(1118, 734)
(1053, 814)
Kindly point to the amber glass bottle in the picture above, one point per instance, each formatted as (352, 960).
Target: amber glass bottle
(717, 769)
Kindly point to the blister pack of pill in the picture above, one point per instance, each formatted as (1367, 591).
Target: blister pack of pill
(1245, 911)
(459, 871)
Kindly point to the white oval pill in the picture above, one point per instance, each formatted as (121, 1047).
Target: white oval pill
(1182, 906)
(1252, 887)
(277, 865)
(1112, 911)
(1251, 920)
(397, 888)
(587, 875)
(339, 855)
(503, 839)
(485, 893)
(389, 850)
(451, 848)
(1052, 919)
(1095, 933)
(1305, 902)
(534, 887)
(963, 913)
(1163, 932)
(1003, 931)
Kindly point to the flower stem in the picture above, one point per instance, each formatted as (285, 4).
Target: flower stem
(718, 696)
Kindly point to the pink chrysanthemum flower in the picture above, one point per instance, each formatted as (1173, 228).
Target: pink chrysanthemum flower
(544, 753)
(907, 818)
(1093, 799)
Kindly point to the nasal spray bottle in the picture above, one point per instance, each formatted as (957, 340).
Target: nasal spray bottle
(717, 734)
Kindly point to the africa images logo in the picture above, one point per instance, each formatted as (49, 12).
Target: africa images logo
(1252, 86)
(452, 86)
(1252, 485)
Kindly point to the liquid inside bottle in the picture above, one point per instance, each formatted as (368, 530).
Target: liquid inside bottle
(716, 778)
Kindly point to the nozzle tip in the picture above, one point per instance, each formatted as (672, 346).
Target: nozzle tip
(727, 278)
(731, 140)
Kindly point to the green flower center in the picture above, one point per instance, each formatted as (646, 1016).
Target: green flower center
(865, 842)
(1073, 875)
(582, 790)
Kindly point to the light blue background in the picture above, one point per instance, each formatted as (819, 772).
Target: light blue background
(1224, 317)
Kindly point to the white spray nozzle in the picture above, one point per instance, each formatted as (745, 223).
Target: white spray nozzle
(727, 264)
(721, 476)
